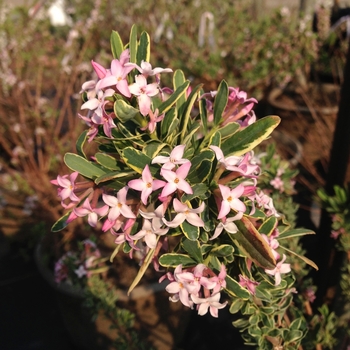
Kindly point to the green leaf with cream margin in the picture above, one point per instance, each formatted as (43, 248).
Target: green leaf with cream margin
(250, 241)
(174, 259)
(137, 160)
(303, 258)
(147, 260)
(83, 166)
(235, 289)
(248, 138)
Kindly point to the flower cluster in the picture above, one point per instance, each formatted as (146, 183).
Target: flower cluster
(176, 180)
(199, 286)
(74, 267)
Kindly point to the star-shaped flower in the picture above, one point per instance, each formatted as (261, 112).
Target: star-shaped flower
(149, 233)
(118, 207)
(227, 224)
(212, 303)
(92, 213)
(174, 158)
(144, 92)
(176, 180)
(184, 212)
(146, 184)
(278, 270)
(230, 200)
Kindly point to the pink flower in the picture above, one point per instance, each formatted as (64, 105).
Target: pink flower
(97, 102)
(157, 216)
(118, 207)
(92, 214)
(247, 283)
(81, 271)
(278, 270)
(277, 183)
(184, 212)
(149, 233)
(66, 186)
(230, 200)
(176, 180)
(124, 236)
(227, 224)
(146, 69)
(196, 279)
(230, 163)
(174, 158)
(146, 184)
(181, 287)
(153, 120)
(117, 77)
(90, 88)
(106, 121)
(144, 92)
(266, 202)
(212, 303)
(219, 280)
(99, 70)
(273, 243)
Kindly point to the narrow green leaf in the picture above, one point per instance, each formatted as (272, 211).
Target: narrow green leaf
(203, 112)
(201, 166)
(234, 289)
(248, 138)
(186, 113)
(124, 111)
(268, 225)
(178, 80)
(190, 133)
(126, 130)
(169, 124)
(241, 323)
(236, 305)
(220, 102)
(173, 260)
(133, 44)
(262, 291)
(297, 232)
(116, 44)
(153, 148)
(81, 142)
(215, 139)
(214, 262)
(144, 49)
(61, 223)
(253, 244)
(136, 160)
(228, 130)
(146, 261)
(304, 258)
(200, 191)
(193, 249)
(190, 231)
(222, 250)
(83, 166)
(107, 161)
(293, 336)
(125, 176)
(168, 103)
(115, 252)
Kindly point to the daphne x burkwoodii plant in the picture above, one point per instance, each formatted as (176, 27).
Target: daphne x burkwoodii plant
(175, 179)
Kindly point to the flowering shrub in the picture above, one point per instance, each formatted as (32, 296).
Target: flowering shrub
(76, 266)
(337, 206)
(171, 173)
